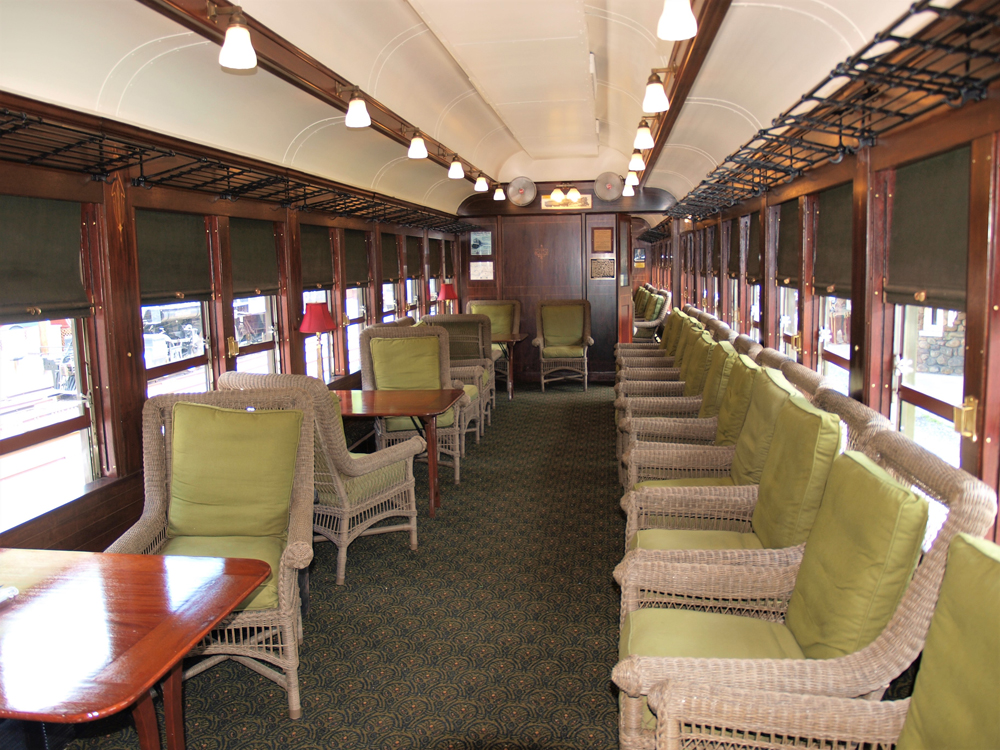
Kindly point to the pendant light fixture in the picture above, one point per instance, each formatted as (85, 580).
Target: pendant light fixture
(498, 194)
(557, 195)
(644, 136)
(636, 164)
(482, 185)
(573, 195)
(656, 96)
(456, 171)
(237, 51)
(628, 191)
(631, 178)
(418, 149)
(357, 112)
(677, 22)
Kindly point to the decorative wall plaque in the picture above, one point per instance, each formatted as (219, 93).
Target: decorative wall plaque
(602, 268)
(602, 240)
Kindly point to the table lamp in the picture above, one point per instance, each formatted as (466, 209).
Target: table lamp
(317, 320)
(447, 292)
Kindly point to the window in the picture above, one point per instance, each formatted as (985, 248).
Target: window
(788, 312)
(354, 309)
(255, 327)
(414, 273)
(835, 342)
(174, 351)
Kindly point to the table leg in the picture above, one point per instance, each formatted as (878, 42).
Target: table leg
(144, 716)
(510, 372)
(430, 428)
(173, 708)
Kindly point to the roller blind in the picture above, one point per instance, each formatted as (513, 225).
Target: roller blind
(317, 257)
(355, 257)
(434, 259)
(390, 258)
(715, 242)
(40, 260)
(173, 257)
(704, 251)
(255, 257)
(832, 265)
(753, 250)
(414, 260)
(928, 255)
(789, 244)
(734, 248)
(449, 261)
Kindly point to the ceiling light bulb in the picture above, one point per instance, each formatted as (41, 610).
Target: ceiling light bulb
(573, 194)
(631, 178)
(357, 112)
(481, 185)
(237, 50)
(418, 149)
(498, 194)
(643, 137)
(628, 191)
(456, 171)
(656, 96)
(677, 22)
(558, 196)
(636, 164)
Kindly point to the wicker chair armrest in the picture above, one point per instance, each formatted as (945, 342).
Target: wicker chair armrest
(636, 373)
(645, 362)
(649, 389)
(588, 341)
(661, 406)
(473, 374)
(735, 503)
(538, 341)
(659, 432)
(361, 465)
(638, 566)
(464, 400)
(298, 554)
(143, 537)
(711, 710)
(655, 323)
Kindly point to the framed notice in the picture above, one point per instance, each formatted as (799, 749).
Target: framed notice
(602, 240)
(481, 243)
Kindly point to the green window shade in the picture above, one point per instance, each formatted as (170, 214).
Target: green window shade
(414, 264)
(434, 257)
(317, 257)
(390, 258)
(927, 256)
(715, 242)
(356, 257)
(255, 257)
(734, 249)
(832, 265)
(789, 244)
(449, 261)
(173, 257)
(753, 250)
(40, 261)
(704, 252)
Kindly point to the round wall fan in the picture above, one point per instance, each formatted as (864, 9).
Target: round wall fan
(521, 191)
(608, 186)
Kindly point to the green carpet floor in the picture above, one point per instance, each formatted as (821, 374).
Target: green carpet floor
(499, 632)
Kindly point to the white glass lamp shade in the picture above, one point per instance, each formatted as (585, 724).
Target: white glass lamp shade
(636, 164)
(628, 191)
(498, 194)
(481, 185)
(557, 195)
(456, 171)
(643, 137)
(656, 97)
(631, 178)
(677, 22)
(357, 113)
(573, 194)
(237, 50)
(418, 149)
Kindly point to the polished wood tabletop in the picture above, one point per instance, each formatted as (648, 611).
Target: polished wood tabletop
(90, 633)
(508, 338)
(397, 403)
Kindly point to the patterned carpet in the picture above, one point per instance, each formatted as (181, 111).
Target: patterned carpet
(499, 632)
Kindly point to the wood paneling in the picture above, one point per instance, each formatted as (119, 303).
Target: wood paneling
(603, 296)
(809, 322)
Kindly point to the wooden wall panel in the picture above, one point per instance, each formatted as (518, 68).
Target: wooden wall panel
(603, 296)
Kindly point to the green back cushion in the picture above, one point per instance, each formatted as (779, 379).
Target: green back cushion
(858, 560)
(697, 364)
(690, 332)
(719, 367)
(806, 440)
(954, 698)
(501, 316)
(653, 306)
(407, 363)
(736, 400)
(770, 392)
(641, 302)
(231, 471)
(672, 331)
(562, 325)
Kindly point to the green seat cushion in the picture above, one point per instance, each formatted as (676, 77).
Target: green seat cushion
(471, 391)
(266, 548)
(858, 560)
(954, 697)
(501, 316)
(407, 364)
(562, 352)
(770, 392)
(231, 470)
(485, 380)
(693, 539)
(644, 333)
(736, 400)
(688, 482)
(398, 424)
(367, 485)
(720, 365)
(697, 364)
(497, 349)
(806, 440)
(706, 635)
(562, 325)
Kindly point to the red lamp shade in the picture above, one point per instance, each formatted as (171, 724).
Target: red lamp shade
(447, 292)
(317, 319)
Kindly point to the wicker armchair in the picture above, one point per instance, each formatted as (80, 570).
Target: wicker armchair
(354, 491)
(562, 338)
(249, 636)
(707, 581)
(505, 318)
(450, 434)
(657, 309)
(470, 343)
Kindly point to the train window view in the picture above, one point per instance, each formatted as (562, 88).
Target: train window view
(174, 349)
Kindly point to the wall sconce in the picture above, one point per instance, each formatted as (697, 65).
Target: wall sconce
(656, 96)
(631, 178)
(644, 136)
(418, 149)
(677, 22)
(498, 194)
(636, 164)
(237, 51)
(628, 191)
(456, 171)
(357, 111)
(482, 185)
(557, 195)
(573, 195)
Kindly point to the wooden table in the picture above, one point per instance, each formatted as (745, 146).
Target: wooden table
(507, 342)
(90, 633)
(422, 405)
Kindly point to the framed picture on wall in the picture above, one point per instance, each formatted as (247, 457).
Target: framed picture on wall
(481, 243)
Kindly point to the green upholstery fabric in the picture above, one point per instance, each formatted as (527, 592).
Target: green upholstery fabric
(954, 697)
(736, 400)
(672, 331)
(697, 364)
(641, 302)
(653, 306)
(644, 333)
(858, 560)
(266, 548)
(231, 471)
(407, 364)
(720, 365)
(485, 379)
(501, 316)
(367, 485)
(471, 391)
(683, 633)
(693, 539)
(806, 440)
(688, 482)
(770, 392)
(690, 333)
(562, 325)
(397, 424)
(552, 352)
(463, 339)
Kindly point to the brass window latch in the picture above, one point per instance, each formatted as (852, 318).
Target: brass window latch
(232, 347)
(965, 417)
